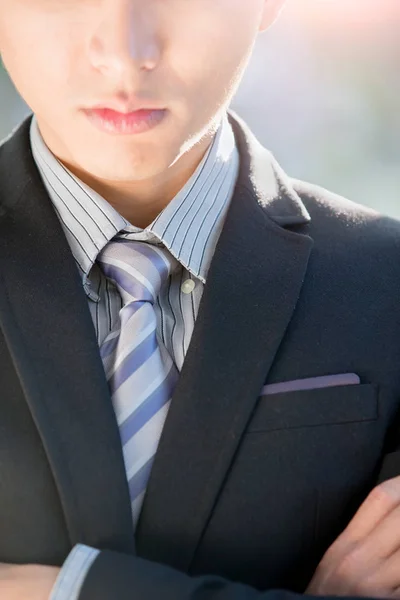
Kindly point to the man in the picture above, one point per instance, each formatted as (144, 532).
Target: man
(199, 356)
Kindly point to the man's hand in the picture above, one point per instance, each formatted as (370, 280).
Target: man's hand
(365, 558)
(26, 582)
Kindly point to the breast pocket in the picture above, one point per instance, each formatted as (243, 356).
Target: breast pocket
(310, 408)
(329, 440)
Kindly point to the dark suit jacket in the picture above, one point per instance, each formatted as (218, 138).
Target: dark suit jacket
(247, 492)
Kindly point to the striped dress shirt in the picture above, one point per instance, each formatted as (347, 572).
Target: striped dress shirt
(189, 227)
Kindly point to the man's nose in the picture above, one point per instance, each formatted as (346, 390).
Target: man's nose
(126, 38)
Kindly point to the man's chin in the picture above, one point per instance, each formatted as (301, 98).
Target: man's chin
(114, 171)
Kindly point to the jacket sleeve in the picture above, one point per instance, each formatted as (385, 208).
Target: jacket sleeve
(115, 576)
(390, 466)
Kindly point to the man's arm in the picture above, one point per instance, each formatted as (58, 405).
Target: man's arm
(89, 574)
(119, 576)
(115, 576)
(363, 561)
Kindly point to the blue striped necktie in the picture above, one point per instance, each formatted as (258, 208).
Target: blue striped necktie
(140, 372)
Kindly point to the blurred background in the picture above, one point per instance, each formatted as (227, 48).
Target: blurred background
(322, 92)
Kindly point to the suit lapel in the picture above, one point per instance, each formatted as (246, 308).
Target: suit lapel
(251, 292)
(48, 328)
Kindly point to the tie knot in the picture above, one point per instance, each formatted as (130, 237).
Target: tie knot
(138, 269)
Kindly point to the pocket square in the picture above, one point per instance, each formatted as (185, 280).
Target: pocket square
(312, 383)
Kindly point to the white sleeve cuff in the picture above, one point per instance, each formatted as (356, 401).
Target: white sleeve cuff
(69, 582)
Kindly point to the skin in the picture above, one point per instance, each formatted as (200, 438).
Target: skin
(187, 56)
(365, 558)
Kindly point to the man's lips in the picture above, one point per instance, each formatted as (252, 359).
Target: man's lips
(110, 113)
(137, 121)
(127, 106)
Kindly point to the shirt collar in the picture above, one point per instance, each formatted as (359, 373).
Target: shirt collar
(189, 226)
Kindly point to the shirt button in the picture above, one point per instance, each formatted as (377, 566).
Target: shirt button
(188, 286)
